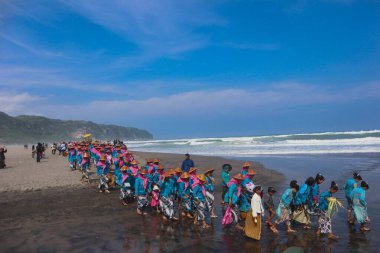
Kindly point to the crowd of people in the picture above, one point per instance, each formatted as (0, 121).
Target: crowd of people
(185, 192)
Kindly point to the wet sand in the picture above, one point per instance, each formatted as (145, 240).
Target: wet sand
(76, 218)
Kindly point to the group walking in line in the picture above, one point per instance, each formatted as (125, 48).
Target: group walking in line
(184, 192)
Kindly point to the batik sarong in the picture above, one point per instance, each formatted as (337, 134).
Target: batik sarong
(142, 202)
(186, 204)
(324, 223)
(283, 214)
(103, 182)
(209, 200)
(200, 209)
(167, 207)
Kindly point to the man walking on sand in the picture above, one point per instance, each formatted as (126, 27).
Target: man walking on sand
(187, 163)
(3, 150)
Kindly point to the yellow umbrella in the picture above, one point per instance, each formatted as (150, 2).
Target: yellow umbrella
(87, 135)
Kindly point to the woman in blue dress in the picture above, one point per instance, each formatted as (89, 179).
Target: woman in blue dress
(351, 184)
(359, 205)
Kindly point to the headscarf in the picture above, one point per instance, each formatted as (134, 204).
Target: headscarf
(145, 181)
(234, 181)
(185, 182)
(202, 187)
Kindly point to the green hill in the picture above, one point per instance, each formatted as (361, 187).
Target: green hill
(30, 129)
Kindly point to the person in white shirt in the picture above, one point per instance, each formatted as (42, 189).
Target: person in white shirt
(253, 221)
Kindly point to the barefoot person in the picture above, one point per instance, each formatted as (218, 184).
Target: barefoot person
(232, 197)
(303, 201)
(199, 193)
(253, 221)
(283, 210)
(324, 221)
(360, 205)
(269, 205)
(184, 193)
(124, 181)
(85, 167)
(351, 184)
(102, 168)
(167, 197)
(210, 188)
(142, 187)
(225, 179)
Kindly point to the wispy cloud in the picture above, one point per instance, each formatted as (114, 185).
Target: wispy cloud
(254, 46)
(158, 28)
(30, 48)
(301, 5)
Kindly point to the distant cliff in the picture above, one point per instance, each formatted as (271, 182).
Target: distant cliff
(31, 129)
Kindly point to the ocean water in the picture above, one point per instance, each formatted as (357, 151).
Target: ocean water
(314, 143)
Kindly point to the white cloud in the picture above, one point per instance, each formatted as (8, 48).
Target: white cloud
(218, 103)
(17, 103)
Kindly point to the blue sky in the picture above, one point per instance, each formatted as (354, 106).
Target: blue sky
(194, 68)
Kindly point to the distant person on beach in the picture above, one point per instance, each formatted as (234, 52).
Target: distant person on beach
(33, 151)
(39, 150)
(3, 150)
(187, 163)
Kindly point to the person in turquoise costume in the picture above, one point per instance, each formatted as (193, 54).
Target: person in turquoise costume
(124, 181)
(72, 156)
(85, 167)
(350, 185)
(244, 203)
(199, 194)
(302, 202)
(233, 195)
(324, 221)
(102, 169)
(118, 164)
(184, 193)
(226, 168)
(142, 188)
(167, 196)
(283, 211)
(210, 189)
(359, 205)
